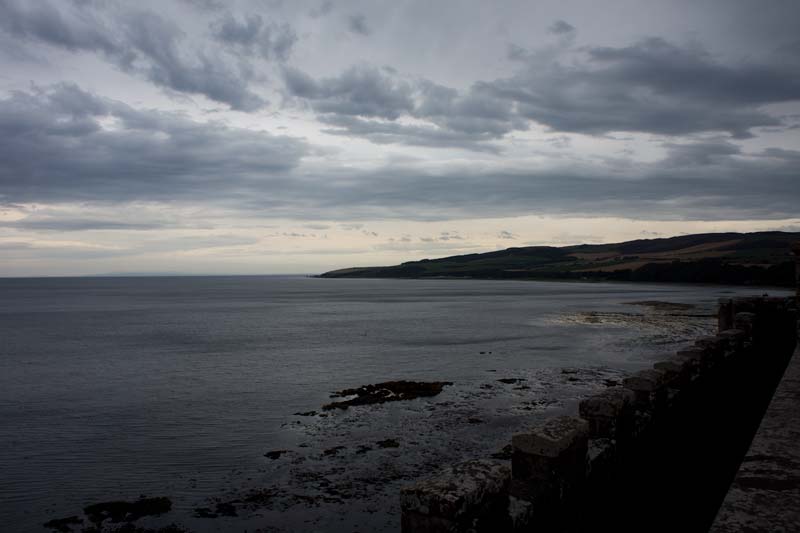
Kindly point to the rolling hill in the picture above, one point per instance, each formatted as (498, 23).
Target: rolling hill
(762, 258)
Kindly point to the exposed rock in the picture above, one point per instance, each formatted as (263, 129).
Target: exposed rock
(306, 413)
(131, 528)
(389, 391)
(204, 512)
(511, 381)
(388, 443)
(333, 451)
(275, 454)
(63, 524)
(259, 497)
(122, 511)
(226, 509)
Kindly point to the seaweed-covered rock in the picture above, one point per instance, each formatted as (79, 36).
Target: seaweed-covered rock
(63, 524)
(122, 511)
(389, 391)
(275, 454)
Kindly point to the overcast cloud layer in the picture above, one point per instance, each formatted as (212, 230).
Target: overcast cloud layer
(230, 130)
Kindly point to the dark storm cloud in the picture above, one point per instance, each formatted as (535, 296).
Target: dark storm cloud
(135, 41)
(387, 132)
(253, 36)
(54, 148)
(74, 29)
(561, 27)
(361, 90)
(358, 24)
(367, 102)
(476, 112)
(698, 153)
(158, 40)
(731, 189)
(65, 145)
(652, 86)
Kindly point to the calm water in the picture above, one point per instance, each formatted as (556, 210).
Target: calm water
(115, 387)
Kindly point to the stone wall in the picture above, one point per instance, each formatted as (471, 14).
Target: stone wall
(660, 448)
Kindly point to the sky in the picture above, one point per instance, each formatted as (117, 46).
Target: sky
(268, 136)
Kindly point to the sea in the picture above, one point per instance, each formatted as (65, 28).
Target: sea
(119, 388)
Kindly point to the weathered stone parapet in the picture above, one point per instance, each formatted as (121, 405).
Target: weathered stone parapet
(471, 496)
(713, 348)
(679, 370)
(649, 387)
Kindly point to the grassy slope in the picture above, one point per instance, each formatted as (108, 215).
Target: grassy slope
(737, 258)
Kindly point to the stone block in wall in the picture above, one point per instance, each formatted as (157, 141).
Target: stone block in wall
(521, 514)
(725, 314)
(746, 304)
(714, 349)
(470, 496)
(548, 461)
(735, 339)
(679, 370)
(699, 363)
(744, 321)
(642, 424)
(600, 459)
(649, 388)
(695, 358)
(607, 412)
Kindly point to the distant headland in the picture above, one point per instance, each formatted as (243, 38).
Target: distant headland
(762, 258)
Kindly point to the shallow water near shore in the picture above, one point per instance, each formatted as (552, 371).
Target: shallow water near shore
(115, 387)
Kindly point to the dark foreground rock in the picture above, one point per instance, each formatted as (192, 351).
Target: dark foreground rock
(132, 528)
(389, 391)
(122, 511)
(275, 454)
(63, 524)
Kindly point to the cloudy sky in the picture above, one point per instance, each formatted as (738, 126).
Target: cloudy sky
(268, 136)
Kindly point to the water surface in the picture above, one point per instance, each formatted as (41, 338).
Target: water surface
(115, 387)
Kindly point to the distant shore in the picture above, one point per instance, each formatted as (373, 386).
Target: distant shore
(743, 259)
